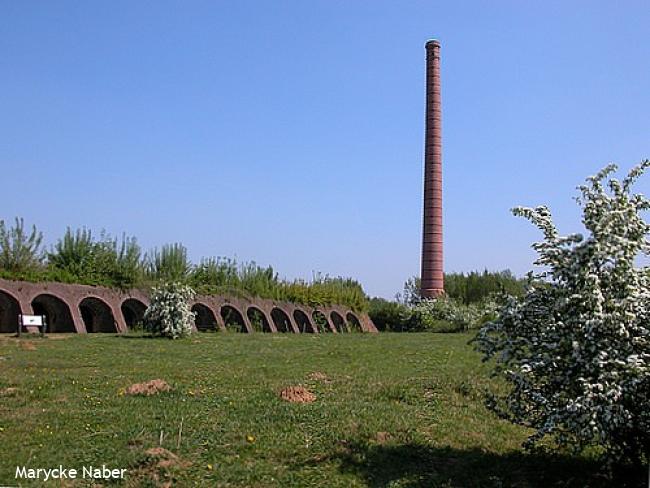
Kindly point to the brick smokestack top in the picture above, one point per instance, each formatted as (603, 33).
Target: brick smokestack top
(432, 284)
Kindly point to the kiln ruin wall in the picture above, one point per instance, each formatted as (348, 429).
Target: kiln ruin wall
(86, 309)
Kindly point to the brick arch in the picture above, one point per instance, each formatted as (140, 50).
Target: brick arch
(282, 320)
(97, 315)
(9, 311)
(233, 318)
(133, 311)
(321, 321)
(303, 321)
(338, 322)
(354, 323)
(259, 320)
(57, 311)
(205, 318)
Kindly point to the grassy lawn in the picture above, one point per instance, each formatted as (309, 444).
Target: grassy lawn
(391, 410)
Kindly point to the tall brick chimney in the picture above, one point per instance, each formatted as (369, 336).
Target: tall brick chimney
(432, 284)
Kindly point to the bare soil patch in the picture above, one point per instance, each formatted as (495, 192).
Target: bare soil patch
(9, 391)
(27, 346)
(382, 437)
(297, 394)
(156, 468)
(160, 457)
(58, 337)
(319, 376)
(148, 388)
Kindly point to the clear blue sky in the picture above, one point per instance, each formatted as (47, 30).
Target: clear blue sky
(291, 133)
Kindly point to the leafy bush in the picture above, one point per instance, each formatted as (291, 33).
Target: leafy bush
(169, 313)
(320, 321)
(444, 314)
(389, 316)
(575, 349)
(433, 315)
(446, 310)
(324, 290)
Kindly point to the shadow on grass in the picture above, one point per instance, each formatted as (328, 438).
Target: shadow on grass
(413, 465)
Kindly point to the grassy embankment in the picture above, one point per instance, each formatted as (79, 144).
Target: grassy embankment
(391, 409)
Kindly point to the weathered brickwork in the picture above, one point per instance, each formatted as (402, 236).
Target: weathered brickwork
(432, 276)
(83, 308)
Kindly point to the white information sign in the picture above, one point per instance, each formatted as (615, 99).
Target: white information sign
(34, 320)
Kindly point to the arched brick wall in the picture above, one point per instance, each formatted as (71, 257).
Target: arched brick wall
(282, 321)
(98, 315)
(205, 318)
(338, 322)
(9, 310)
(132, 311)
(18, 297)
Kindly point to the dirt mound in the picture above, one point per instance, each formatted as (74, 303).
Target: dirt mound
(160, 457)
(382, 437)
(27, 346)
(152, 387)
(297, 394)
(157, 468)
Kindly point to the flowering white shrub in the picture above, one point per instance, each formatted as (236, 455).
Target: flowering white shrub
(462, 317)
(576, 348)
(169, 313)
(444, 314)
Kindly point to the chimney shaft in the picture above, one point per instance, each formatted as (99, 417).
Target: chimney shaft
(432, 278)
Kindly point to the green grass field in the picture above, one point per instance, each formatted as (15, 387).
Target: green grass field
(391, 410)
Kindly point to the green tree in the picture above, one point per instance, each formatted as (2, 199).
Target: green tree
(20, 251)
(74, 254)
(215, 274)
(129, 266)
(169, 263)
(78, 257)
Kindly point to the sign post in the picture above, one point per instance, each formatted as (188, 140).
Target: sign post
(32, 321)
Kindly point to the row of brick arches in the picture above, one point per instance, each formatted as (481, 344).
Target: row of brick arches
(96, 314)
(277, 320)
(79, 308)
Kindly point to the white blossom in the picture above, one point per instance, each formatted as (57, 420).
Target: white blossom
(576, 348)
(169, 313)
